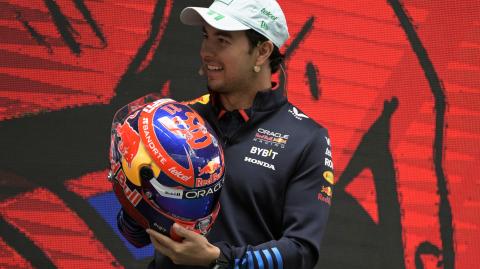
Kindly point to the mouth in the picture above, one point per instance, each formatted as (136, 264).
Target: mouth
(213, 68)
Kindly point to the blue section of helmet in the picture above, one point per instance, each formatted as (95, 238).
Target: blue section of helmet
(174, 144)
(107, 206)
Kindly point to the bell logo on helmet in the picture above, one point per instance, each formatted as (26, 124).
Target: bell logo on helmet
(203, 224)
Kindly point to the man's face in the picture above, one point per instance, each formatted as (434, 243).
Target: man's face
(227, 60)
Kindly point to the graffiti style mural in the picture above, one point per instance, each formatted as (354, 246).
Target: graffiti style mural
(397, 83)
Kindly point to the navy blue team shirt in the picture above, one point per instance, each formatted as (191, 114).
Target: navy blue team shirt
(278, 186)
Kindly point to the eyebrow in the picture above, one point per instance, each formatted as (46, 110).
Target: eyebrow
(219, 33)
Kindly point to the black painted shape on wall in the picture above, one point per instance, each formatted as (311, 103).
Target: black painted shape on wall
(313, 80)
(445, 210)
(426, 248)
(353, 239)
(87, 15)
(64, 28)
(39, 38)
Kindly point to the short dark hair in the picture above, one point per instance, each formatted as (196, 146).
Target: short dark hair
(276, 58)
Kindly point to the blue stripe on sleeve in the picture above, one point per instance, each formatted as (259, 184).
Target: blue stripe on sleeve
(250, 260)
(240, 263)
(278, 256)
(268, 257)
(259, 259)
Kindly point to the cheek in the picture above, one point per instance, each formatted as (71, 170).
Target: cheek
(242, 65)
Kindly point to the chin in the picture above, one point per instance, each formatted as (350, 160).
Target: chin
(215, 88)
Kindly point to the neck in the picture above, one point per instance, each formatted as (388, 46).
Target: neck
(243, 99)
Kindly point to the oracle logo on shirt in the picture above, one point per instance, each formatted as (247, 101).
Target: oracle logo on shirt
(268, 137)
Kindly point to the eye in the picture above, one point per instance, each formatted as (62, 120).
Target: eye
(204, 35)
(223, 41)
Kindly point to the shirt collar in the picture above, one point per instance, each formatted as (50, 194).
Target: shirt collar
(264, 100)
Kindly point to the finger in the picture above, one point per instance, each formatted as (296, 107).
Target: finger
(155, 234)
(160, 248)
(183, 232)
(162, 239)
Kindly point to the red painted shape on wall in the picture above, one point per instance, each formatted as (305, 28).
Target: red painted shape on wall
(362, 188)
(59, 232)
(9, 258)
(90, 184)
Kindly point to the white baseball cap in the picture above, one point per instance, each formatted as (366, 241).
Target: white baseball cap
(264, 16)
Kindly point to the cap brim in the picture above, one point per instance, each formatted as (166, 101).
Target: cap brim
(200, 15)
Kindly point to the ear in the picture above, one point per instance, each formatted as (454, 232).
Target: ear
(264, 51)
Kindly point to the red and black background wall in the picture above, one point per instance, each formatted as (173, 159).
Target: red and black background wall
(397, 83)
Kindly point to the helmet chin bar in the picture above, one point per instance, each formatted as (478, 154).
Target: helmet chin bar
(200, 226)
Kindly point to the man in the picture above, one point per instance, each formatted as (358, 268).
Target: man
(279, 173)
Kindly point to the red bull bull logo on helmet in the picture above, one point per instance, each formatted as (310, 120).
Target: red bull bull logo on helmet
(129, 139)
(213, 170)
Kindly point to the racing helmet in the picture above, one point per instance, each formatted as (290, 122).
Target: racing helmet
(166, 165)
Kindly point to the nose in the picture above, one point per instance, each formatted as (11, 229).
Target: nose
(206, 50)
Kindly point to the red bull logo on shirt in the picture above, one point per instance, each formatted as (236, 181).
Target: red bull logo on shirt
(268, 137)
(327, 191)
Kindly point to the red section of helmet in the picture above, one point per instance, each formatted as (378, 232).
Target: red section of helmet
(130, 140)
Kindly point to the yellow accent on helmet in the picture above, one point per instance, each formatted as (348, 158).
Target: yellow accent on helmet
(202, 100)
(141, 159)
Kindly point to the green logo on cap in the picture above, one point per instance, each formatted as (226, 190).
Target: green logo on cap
(217, 16)
(226, 2)
(264, 25)
(268, 14)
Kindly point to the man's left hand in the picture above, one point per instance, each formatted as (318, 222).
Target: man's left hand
(194, 249)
